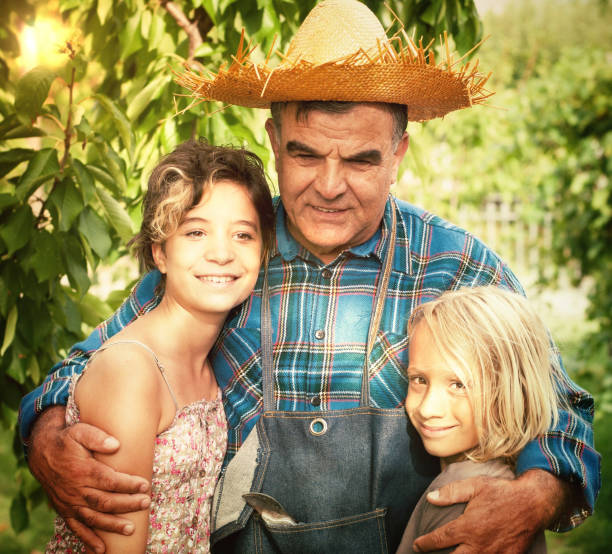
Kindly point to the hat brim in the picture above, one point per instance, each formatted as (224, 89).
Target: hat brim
(428, 92)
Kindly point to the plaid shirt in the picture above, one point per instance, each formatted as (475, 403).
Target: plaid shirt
(322, 314)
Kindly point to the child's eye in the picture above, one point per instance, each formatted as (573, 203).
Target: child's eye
(195, 233)
(416, 380)
(244, 236)
(458, 386)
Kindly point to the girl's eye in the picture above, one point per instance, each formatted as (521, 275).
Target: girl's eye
(195, 233)
(244, 236)
(458, 386)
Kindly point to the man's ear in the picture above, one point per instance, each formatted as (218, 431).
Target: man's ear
(159, 256)
(274, 140)
(400, 152)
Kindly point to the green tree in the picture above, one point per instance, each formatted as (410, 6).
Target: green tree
(77, 143)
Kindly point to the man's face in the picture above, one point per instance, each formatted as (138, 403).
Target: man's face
(334, 174)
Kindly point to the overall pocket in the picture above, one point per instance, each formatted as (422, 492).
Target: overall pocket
(358, 533)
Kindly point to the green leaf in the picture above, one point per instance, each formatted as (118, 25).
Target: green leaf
(141, 101)
(93, 310)
(103, 177)
(68, 201)
(121, 122)
(9, 330)
(211, 9)
(24, 131)
(156, 31)
(95, 231)
(130, 37)
(85, 180)
(104, 8)
(16, 369)
(4, 296)
(33, 369)
(42, 167)
(12, 158)
(78, 64)
(70, 309)
(9, 123)
(46, 262)
(116, 215)
(17, 229)
(32, 90)
(7, 200)
(19, 513)
(112, 162)
(145, 24)
(76, 265)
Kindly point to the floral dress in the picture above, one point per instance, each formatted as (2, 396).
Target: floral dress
(186, 465)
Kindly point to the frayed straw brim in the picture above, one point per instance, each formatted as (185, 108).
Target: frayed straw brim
(398, 72)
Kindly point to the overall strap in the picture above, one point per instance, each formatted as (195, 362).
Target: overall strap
(157, 362)
(379, 303)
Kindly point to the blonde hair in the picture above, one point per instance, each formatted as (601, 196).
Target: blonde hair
(501, 350)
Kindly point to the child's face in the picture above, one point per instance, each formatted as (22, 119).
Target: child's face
(212, 260)
(437, 401)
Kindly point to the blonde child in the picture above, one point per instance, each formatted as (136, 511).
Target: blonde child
(207, 220)
(482, 384)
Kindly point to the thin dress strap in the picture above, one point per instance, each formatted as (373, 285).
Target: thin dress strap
(157, 362)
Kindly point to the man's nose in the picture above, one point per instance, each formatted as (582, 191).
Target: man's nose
(331, 180)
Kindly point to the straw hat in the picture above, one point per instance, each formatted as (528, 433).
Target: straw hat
(341, 52)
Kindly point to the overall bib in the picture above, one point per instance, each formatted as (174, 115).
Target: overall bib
(350, 478)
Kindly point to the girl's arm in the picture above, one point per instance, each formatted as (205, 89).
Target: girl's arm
(121, 392)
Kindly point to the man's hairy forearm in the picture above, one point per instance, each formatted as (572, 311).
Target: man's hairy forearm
(47, 425)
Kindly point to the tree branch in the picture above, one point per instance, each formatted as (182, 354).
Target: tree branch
(190, 27)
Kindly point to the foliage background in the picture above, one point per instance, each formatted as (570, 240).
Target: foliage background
(78, 138)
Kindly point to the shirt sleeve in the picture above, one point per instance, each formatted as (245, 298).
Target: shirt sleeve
(567, 450)
(54, 389)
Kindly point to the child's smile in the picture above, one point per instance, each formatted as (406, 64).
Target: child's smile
(438, 403)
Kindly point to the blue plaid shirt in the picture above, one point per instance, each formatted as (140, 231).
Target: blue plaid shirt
(321, 315)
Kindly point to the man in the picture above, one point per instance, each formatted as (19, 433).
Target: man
(312, 426)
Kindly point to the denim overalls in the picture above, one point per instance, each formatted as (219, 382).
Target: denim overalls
(349, 478)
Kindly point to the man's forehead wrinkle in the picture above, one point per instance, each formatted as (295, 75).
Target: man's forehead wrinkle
(370, 154)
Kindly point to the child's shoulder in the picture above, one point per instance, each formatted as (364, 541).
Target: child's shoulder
(468, 468)
(122, 366)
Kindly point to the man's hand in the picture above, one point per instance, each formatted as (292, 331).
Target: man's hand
(501, 516)
(84, 491)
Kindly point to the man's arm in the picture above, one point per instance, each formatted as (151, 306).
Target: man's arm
(65, 458)
(501, 515)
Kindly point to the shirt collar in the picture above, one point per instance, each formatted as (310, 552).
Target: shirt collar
(289, 248)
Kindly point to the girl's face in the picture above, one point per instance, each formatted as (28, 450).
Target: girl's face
(212, 260)
(437, 403)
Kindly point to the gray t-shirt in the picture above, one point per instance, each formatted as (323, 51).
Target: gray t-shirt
(426, 517)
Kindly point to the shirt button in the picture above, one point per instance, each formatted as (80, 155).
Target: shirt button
(315, 401)
(319, 334)
(326, 273)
